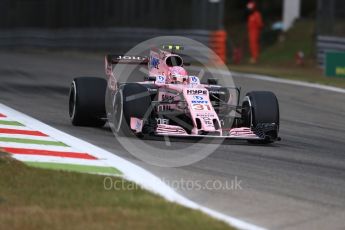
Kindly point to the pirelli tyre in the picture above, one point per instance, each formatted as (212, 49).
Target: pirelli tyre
(87, 101)
(131, 100)
(260, 112)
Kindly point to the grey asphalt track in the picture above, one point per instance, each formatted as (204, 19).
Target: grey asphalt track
(298, 183)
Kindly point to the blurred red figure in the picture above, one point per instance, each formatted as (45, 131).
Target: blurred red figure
(255, 25)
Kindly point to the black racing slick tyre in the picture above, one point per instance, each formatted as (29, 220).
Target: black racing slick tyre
(260, 111)
(87, 101)
(131, 100)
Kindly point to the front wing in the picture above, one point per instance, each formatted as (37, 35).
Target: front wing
(243, 133)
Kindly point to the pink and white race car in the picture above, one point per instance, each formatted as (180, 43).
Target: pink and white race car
(170, 102)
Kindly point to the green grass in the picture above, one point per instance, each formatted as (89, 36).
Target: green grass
(278, 59)
(312, 75)
(299, 38)
(34, 198)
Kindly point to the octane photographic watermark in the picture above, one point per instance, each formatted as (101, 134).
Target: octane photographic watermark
(235, 184)
(166, 152)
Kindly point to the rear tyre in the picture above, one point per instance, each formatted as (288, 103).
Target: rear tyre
(260, 111)
(87, 101)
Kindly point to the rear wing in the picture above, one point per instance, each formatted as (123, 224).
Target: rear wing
(113, 59)
(126, 59)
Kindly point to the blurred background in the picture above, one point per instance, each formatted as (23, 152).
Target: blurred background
(295, 40)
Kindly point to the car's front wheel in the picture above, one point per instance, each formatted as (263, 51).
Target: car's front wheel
(260, 112)
(131, 100)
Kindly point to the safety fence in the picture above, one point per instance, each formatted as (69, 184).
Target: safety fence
(160, 14)
(116, 40)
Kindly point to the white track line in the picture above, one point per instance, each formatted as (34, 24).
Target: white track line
(5, 119)
(15, 127)
(130, 171)
(290, 82)
(274, 79)
(4, 144)
(61, 160)
(24, 136)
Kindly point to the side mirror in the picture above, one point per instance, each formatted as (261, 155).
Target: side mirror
(149, 78)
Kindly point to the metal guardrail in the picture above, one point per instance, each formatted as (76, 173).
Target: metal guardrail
(326, 44)
(117, 39)
(161, 14)
(109, 40)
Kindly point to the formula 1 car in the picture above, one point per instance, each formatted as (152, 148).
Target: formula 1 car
(169, 102)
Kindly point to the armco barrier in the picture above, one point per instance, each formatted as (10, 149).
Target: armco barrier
(117, 40)
(327, 44)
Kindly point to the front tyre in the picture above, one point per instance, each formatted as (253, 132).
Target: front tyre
(118, 122)
(131, 100)
(260, 112)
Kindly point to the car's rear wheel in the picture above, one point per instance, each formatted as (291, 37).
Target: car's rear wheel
(87, 101)
(260, 111)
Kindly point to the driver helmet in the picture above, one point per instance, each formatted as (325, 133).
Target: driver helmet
(177, 74)
(251, 6)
